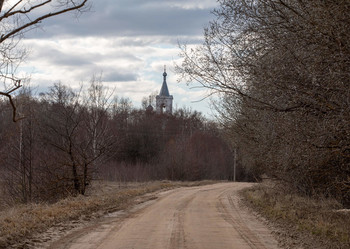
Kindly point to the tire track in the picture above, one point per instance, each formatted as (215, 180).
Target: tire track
(178, 239)
(232, 214)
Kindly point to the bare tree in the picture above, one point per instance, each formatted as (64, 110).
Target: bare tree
(97, 129)
(282, 70)
(78, 131)
(61, 125)
(17, 18)
(20, 147)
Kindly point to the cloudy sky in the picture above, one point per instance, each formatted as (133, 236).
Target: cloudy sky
(127, 41)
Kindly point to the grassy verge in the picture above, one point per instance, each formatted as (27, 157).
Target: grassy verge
(21, 222)
(313, 223)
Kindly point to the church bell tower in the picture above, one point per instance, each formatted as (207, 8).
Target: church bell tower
(164, 101)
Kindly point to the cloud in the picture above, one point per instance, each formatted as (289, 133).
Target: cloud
(119, 76)
(111, 18)
(128, 42)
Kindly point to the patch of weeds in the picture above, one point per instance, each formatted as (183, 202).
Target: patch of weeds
(319, 219)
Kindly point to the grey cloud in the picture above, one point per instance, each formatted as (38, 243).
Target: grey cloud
(60, 58)
(71, 61)
(129, 18)
(119, 76)
(134, 42)
(121, 55)
(132, 87)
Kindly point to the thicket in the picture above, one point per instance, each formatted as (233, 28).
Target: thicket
(69, 137)
(282, 71)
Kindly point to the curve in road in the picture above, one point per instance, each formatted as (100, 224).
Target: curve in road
(204, 217)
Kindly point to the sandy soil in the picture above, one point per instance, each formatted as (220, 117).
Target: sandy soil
(197, 217)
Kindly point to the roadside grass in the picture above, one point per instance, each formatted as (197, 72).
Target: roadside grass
(20, 222)
(321, 221)
(2, 201)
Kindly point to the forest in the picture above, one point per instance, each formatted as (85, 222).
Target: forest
(66, 138)
(281, 69)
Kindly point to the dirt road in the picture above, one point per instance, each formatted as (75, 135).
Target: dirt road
(197, 217)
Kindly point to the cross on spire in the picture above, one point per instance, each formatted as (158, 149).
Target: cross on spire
(164, 91)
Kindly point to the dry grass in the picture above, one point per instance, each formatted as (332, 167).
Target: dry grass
(3, 195)
(21, 222)
(318, 221)
(2, 201)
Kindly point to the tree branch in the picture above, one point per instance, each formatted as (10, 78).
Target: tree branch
(39, 19)
(9, 96)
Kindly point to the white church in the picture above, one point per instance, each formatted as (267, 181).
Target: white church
(164, 101)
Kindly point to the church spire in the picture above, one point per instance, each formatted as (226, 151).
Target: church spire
(164, 101)
(164, 90)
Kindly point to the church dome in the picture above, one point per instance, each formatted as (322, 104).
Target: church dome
(149, 108)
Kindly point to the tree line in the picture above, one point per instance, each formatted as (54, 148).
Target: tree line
(281, 69)
(67, 138)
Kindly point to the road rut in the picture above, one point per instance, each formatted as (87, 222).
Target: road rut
(204, 217)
